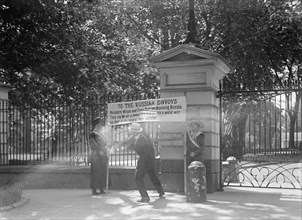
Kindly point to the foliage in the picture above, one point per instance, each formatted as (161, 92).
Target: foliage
(68, 51)
(262, 41)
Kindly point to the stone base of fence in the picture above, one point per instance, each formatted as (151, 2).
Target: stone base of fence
(295, 157)
(56, 176)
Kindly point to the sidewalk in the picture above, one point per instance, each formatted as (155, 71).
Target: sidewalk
(232, 203)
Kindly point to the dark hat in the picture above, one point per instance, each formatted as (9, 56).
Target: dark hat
(96, 121)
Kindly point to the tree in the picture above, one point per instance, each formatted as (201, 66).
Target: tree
(73, 49)
(262, 41)
(67, 50)
(283, 45)
(247, 33)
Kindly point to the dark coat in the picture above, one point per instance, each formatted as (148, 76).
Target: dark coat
(191, 147)
(143, 147)
(145, 164)
(99, 160)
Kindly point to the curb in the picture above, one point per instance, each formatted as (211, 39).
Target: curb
(18, 204)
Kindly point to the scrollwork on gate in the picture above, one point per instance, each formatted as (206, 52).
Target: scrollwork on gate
(269, 175)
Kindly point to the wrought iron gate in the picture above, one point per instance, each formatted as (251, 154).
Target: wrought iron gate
(57, 132)
(261, 133)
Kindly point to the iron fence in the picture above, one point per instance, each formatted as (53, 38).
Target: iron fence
(261, 132)
(263, 118)
(57, 132)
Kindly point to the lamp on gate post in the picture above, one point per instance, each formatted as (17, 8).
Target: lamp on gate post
(192, 33)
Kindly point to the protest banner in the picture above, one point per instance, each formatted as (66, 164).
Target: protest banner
(164, 109)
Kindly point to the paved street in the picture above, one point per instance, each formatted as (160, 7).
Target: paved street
(232, 203)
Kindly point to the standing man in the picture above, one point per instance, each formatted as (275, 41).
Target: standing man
(98, 158)
(143, 146)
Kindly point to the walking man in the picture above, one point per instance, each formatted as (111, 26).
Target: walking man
(143, 146)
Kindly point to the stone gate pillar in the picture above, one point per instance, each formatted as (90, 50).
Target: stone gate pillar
(194, 73)
(4, 89)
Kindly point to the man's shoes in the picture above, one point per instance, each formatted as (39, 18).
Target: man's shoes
(161, 194)
(144, 200)
(102, 191)
(94, 192)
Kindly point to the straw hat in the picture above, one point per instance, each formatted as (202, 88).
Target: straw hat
(135, 127)
(197, 122)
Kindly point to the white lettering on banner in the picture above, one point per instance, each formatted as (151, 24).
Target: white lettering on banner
(165, 109)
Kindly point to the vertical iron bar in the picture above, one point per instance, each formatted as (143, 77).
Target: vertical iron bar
(76, 134)
(116, 159)
(249, 127)
(265, 126)
(270, 126)
(2, 141)
(296, 141)
(4, 144)
(60, 113)
(17, 133)
(255, 120)
(86, 131)
(53, 126)
(220, 138)
(300, 143)
(62, 140)
(12, 133)
(16, 136)
(20, 145)
(70, 127)
(2, 133)
(259, 126)
(24, 136)
(280, 129)
(275, 132)
(39, 131)
(286, 121)
(8, 131)
(49, 129)
(58, 143)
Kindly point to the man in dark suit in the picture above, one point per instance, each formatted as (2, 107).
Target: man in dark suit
(143, 146)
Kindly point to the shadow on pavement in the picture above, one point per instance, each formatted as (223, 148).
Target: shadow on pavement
(228, 204)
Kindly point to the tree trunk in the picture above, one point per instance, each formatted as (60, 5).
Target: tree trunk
(293, 119)
(241, 137)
